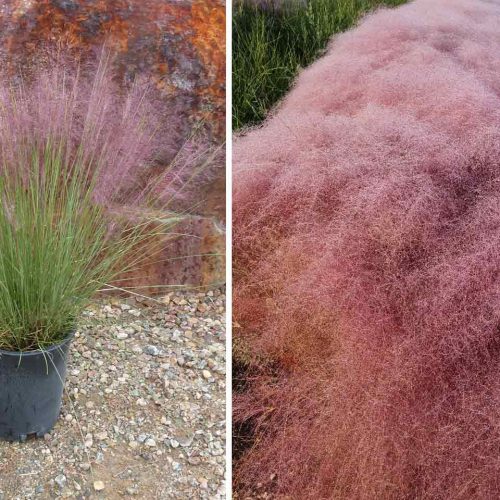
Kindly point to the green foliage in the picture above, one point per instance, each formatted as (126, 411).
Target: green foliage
(270, 44)
(57, 246)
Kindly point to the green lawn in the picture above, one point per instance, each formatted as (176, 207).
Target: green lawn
(270, 45)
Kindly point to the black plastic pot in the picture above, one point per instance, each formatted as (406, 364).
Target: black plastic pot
(31, 388)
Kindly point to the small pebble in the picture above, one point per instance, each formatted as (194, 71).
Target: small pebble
(152, 350)
(98, 485)
(60, 480)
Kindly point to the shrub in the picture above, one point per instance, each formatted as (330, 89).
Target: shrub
(73, 150)
(366, 264)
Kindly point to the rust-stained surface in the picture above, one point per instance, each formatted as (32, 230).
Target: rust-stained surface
(195, 259)
(180, 45)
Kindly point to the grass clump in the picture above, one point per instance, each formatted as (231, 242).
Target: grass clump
(56, 249)
(74, 150)
(272, 41)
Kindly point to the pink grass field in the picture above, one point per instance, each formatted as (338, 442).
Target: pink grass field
(367, 263)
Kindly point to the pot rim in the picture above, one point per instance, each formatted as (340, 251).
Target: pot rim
(37, 352)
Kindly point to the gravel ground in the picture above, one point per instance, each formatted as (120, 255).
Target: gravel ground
(144, 411)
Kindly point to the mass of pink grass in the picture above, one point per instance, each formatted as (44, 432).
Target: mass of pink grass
(367, 265)
(125, 133)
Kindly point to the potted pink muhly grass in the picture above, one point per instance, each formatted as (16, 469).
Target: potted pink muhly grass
(72, 148)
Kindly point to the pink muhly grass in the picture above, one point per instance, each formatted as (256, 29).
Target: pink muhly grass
(126, 136)
(84, 197)
(366, 245)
